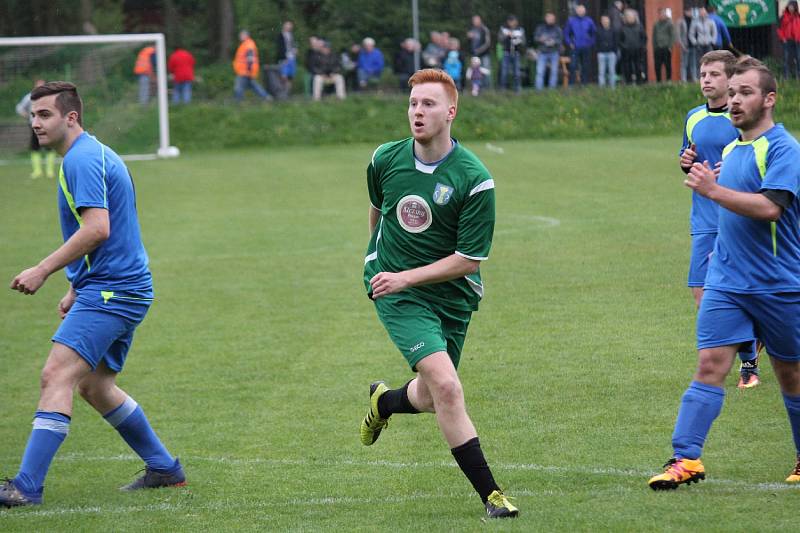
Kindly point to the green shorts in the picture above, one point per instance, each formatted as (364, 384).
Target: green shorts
(419, 328)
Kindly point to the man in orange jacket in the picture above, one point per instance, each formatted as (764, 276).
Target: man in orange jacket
(145, 69)
(246, 68)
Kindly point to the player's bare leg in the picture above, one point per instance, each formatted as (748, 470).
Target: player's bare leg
(439, 377)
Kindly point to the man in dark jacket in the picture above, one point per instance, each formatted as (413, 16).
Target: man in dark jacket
(632, 41)
(286, 48)
(606, 53)
(512, 38)
(327, 70)
(404, 66)
(480, 41)
(549, 39)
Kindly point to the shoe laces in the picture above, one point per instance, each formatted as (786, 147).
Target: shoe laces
(675, 468)
(797, 467)
(500, 499)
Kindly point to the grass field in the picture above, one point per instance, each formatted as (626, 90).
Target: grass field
(253, 364)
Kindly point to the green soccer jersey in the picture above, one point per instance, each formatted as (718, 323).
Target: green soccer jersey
(428, 214)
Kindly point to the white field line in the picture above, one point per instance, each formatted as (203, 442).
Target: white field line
(495, 149)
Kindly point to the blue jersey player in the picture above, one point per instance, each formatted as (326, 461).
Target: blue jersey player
(110, 291)
(753, 285)
(706, 132)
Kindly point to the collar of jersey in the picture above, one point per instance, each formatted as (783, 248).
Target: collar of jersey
(716, 111)
(453, 144)
(740, 142)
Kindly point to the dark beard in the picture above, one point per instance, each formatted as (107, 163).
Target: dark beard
(752, 121)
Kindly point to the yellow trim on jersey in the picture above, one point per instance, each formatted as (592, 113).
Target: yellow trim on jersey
(62, 181)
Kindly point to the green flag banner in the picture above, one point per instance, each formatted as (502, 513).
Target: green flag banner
(746, 13)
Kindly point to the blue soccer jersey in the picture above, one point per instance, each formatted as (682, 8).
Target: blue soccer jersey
(92, 175)
(757, 256)
(710, 130)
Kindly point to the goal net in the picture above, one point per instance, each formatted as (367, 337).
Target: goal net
(102, 67)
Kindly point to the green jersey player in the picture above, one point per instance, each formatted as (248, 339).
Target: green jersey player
(431, 220)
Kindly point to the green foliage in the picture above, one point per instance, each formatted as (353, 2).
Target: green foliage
(254, 361)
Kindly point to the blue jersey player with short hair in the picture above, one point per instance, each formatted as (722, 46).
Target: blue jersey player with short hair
(753, 285)
(706, 132)
(109, 294)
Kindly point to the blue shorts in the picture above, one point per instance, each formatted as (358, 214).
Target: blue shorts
(288, 68)
(101, 330)
(702, 248)
(728, 318)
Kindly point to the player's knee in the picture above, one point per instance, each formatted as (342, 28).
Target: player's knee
(449, 392)
(710, 370)
(87, 391)
(51, 377)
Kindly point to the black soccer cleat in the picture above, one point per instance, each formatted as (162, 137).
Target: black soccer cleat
(11, 496)
(153, 479)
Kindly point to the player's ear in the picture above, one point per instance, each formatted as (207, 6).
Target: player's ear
(769, 99)
(72, 118)
(452, 110)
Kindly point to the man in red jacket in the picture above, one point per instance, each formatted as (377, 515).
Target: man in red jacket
(789, 35)
(181, 66)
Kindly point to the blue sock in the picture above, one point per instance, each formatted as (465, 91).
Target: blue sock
(792, 404)
(700, 406)
(131, 423)
(49, 431)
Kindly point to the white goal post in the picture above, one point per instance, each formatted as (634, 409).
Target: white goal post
(164, 147)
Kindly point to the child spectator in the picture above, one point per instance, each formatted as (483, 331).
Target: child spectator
(477, 75)
(453, 66)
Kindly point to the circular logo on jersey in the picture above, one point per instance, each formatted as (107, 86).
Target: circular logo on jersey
(414, 214)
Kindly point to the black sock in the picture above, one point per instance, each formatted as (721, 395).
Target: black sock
(469, 457)
(395, 401)
(750, 367)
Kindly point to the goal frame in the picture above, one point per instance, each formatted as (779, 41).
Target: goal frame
(164, 147)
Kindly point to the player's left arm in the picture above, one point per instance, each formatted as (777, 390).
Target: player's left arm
(92, 233)
(759, 206)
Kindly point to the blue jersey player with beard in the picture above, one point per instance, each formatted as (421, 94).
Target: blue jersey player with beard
(707, 131)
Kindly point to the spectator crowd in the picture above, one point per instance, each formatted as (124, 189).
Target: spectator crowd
(576, 51)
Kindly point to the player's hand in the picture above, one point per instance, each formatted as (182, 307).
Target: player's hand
(717, 169)
(384, 283)
(28, 281)
(66, 303)
(688, 156)
(701, 178)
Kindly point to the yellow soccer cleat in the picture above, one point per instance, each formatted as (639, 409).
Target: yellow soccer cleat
(677, 472)
(373, 424)
(794, 477)
(498, 506)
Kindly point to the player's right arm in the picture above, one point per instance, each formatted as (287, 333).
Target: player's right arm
(375, 191)
(759, 206)
(95, 229)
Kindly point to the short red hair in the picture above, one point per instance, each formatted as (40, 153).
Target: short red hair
(434, 75)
